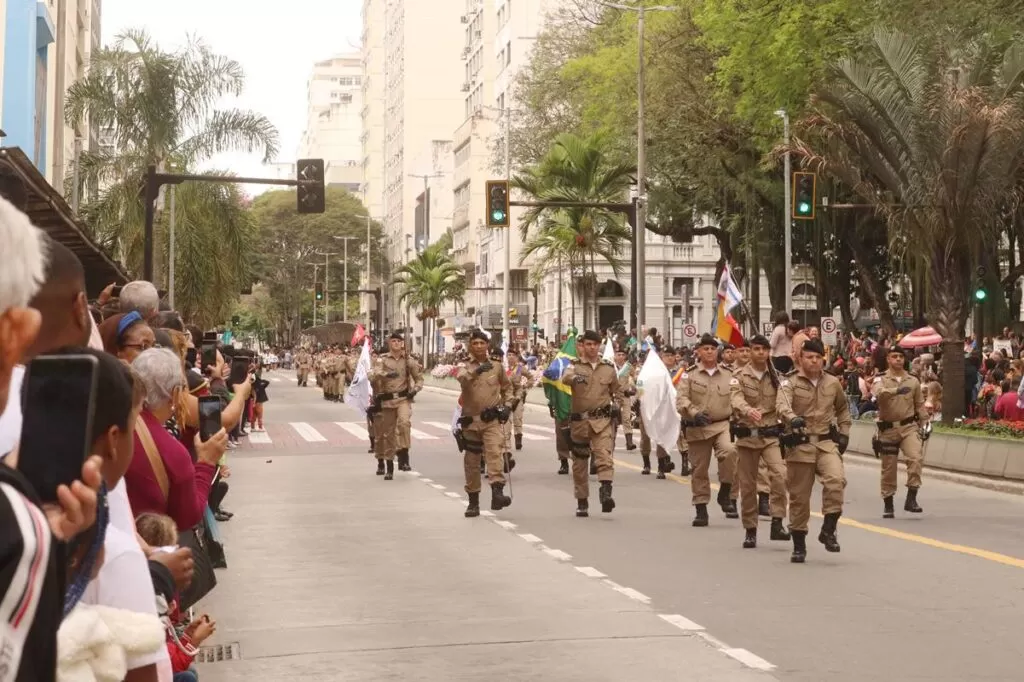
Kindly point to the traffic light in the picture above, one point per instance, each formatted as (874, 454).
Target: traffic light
(310, 191)
(497, 203)
(980, 293)
(319, 295)
(804, 197)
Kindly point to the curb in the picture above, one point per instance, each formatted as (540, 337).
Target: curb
(862, 459)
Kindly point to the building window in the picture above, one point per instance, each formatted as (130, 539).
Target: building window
(508, 53)
(678, 285)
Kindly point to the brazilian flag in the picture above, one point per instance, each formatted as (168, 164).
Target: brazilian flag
(558, 394)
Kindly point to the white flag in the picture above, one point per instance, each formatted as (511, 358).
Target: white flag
(359, 392)
(609, 349)
(657, 398)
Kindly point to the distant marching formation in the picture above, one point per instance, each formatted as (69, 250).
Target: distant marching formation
(771, 434)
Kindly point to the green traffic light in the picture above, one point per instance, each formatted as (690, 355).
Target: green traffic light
(980, 294)
(804, 207)
(497, 216)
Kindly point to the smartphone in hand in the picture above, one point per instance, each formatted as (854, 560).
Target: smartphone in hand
(209, 417)
(239, 370)
(56, 430)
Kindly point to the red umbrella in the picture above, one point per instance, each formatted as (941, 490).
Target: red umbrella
(919, 338)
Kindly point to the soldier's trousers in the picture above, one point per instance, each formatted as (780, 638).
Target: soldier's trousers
(302, 376)
(800, 480)
(763, 480)
(561, 444)
(626, 420)
(748, 460)
(517, 416)
(395, 423)
(910, 444)
(483, 439)
(700, 461)
(506, 436)
(379, 451)
(600, 439)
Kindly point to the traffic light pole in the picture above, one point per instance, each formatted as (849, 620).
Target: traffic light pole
(155, 180)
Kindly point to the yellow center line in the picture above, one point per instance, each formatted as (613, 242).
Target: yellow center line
(976, 552)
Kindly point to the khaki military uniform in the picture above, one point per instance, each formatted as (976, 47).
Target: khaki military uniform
(395, 381)
(482, 392)
(701, 390)
(628, 383)
(820, 404)
(751, 391)
(517, 378)
(302, 365)
(898, 419)
(595, 388)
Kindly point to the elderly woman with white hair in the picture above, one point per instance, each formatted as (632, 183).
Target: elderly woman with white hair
(140, 296)
(162, 477)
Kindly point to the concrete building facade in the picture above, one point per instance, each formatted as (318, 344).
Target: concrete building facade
(334, 124)
(45, 47)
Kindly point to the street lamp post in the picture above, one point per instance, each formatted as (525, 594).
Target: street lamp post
(316, 273)
(344, 288)
(327, 281)
(787, 222)
(640, 234)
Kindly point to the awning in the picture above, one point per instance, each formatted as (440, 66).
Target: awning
(50, 213)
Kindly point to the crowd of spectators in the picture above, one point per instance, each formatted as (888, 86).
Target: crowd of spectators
(102, 583)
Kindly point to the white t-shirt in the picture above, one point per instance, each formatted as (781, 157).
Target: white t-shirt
(10, 419)
(123, 581)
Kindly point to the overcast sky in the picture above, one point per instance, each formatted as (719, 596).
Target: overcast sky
(275, 42)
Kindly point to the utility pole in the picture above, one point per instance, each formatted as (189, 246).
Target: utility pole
(787, 220)
(345, 241)
(327, 284)
(316, 274)
(507, 293)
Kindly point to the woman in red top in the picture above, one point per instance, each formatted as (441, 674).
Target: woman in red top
(162, 477)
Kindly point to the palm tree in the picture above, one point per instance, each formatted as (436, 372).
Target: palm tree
(932, 137)
(576, 169)
(161, 108)
(428, 282)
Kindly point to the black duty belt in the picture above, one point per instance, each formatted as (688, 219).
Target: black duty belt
(757, 432)
(488, 415)
(687, 423)
(392, 396)
(599, 413)
(885, 426)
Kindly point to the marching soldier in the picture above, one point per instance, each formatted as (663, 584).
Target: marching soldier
(764, 488)
(519, 378)
(704, 403)
(754, 392)
(901, 412)
(396, 379)
(302, 363)
(595, 394)
(486, 395)
(627, 379)
(814, 406)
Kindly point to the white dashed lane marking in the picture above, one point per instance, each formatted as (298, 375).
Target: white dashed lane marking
(590, 571)
(529, 537)
(679, 621)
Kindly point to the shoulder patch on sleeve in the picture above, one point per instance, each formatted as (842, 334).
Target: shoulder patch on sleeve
(691, 368)
(734, 382)
(877, 380)
(684, 375)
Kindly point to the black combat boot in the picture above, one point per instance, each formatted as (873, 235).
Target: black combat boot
(582, 509)
(499, 500)
(701, 519)
(605, 495)
(911, 504)
(727, 504)
(750, 541)
(779, 531)
(593, 465)
(403, 460)
(630, 445)
(509, 463)
(372, 448)
(799, 546)
(519, 441)
(563, 466)
(684, 465)
(663, 467)
(763, 509)
(390, 475)
(646, 471)
(827, 536)
(380, 467)
(473, 509)
(888, 510)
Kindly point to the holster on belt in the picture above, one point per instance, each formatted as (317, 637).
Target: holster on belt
(460, 440)
(577, 449)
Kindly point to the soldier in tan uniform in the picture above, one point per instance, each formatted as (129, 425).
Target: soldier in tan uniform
(302, 364)
(519, 378)
(704, 403)
(396, 378)
(486, 398)
(754, 390)
(901, 412)
(764, 488)
(814, 406)
(627, 379)
(595, 393)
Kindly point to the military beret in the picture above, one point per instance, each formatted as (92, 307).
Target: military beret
(396, 335)
(813, 346)
(478, 334)
(729, 346)
(760, 340)
(707, 340)
(895, 349)
(591, 335)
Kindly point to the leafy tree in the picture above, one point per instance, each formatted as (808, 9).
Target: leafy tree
(428, 282)
(290, 247)
(576, 169)
(161, 109)
(930, 135)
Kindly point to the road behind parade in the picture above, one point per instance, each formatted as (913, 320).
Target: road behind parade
(337, 574)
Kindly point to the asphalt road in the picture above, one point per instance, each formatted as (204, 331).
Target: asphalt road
(937, 596)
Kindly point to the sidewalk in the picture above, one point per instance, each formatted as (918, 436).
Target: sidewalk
(335, 575)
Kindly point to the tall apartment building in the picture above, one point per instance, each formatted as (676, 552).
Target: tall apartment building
(414, 90)
(334, 122)
(45, 46)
